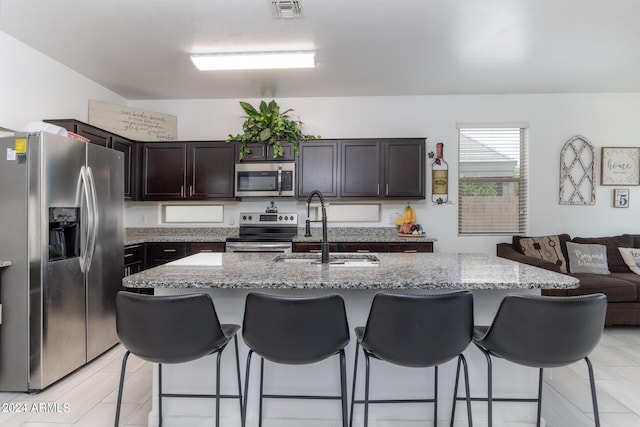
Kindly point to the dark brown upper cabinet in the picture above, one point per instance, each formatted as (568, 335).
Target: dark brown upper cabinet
(263, 152)
(363, 168)
(317, 168)
(187, 170)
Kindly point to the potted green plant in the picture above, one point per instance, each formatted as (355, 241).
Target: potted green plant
(268, 124)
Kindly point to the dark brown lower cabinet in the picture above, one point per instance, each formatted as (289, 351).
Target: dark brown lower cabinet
(365, 247)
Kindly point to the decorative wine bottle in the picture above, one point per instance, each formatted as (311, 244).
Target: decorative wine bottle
(440, 177)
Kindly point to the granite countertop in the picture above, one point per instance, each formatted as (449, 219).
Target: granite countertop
(395, 271)
(5, 263)
(219, 234)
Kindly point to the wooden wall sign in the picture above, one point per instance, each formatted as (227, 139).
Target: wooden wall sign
(133, 123)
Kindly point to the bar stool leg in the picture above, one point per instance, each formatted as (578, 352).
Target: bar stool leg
(489, 390)
(353, 389)
(455, 393)
(246, 389)
(594, 399)
(366, 389)
(159, 394)
(121, 387)
(261, 391)
(467, 388)
(435, 396)
(218, 388)
(343, 387)
(539, 416)
(235, 340)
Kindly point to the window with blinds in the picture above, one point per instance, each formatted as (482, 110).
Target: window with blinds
(492, 184)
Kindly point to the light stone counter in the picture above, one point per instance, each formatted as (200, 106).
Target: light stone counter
(219, 234)
(396, 271)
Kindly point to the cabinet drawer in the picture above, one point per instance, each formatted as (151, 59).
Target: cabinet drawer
(195, 248)
(362, 247)
(161, 253)
(312, 247)
(133, 254)
(411, 247)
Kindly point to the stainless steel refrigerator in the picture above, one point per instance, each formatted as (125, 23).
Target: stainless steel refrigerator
(61, 216)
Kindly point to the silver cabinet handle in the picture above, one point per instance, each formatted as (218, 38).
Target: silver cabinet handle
(363, 250)
(410, 251)
(191, 190)
(128, 255)
(386, 193)
(182, 191)
(168, 250)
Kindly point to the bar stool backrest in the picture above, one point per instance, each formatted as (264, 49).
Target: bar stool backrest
(295, 330)
(541, 331)
(419, 330)
(168, 329)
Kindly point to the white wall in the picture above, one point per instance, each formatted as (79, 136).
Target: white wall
(35, 87)
(605, 119)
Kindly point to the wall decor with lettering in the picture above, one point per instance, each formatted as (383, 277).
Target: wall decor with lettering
(620, 166)
(133, 123)
(621, 198)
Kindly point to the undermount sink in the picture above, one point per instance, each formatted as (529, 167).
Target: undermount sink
(338, 260)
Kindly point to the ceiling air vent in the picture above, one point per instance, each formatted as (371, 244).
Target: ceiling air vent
(286, 9)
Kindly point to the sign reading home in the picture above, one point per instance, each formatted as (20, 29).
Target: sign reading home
(133, 123)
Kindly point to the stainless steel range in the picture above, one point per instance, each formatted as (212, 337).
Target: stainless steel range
(264, 232)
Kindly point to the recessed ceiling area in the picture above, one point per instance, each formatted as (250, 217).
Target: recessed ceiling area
(141, 49)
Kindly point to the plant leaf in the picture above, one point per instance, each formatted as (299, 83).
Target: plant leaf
(248, 108)
(265, 134)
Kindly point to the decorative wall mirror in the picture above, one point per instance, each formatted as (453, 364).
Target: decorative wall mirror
(577, 172)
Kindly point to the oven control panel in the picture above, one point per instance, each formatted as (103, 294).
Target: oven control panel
(261, 218)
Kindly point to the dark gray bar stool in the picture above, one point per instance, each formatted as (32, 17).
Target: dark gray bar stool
(542, 332)
(295, 331)
(416, 331)
(173, 329)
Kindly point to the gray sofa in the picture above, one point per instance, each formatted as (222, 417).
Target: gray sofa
(622, 286)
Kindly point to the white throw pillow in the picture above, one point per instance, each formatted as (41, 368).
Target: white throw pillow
(587, 258)
(632, 257)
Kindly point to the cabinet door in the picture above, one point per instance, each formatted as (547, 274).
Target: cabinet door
(404, 168)
(164, 167)
(126, 147)
(97, 136)
(360, 174)
(258, 152)
(211, 170)
(288, 155)
(313, 247)
(318, 168)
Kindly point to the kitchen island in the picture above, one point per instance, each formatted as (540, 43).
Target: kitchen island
(229, 277)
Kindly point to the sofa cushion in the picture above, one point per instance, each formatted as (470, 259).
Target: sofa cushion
(587, 258)
(632, 257)
(547, 248)
(614, 259)
(614, 286)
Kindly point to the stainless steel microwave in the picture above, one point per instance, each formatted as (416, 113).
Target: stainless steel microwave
(265, 179)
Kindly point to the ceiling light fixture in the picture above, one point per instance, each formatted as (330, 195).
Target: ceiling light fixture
(254, 60)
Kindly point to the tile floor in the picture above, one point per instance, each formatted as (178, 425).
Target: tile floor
(87, 397)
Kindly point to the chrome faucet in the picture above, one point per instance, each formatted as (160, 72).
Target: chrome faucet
(307, 230)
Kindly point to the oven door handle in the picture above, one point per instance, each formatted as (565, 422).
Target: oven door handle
(253, 247)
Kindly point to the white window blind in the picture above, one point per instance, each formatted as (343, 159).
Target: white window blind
(492, 184)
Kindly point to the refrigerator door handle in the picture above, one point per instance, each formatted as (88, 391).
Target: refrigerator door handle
(93, 214)
(82, 200)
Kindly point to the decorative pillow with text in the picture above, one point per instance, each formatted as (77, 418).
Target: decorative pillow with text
(546, 248)
(632, 257)
(585, 258)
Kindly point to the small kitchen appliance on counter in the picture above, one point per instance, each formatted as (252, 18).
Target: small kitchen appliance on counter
(264, 232)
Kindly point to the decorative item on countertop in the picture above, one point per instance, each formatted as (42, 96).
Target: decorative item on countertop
(268, 124)
(440, 177)
(406, 222)
(272, 208)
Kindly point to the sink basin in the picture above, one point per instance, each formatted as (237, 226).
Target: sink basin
(343, 259)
